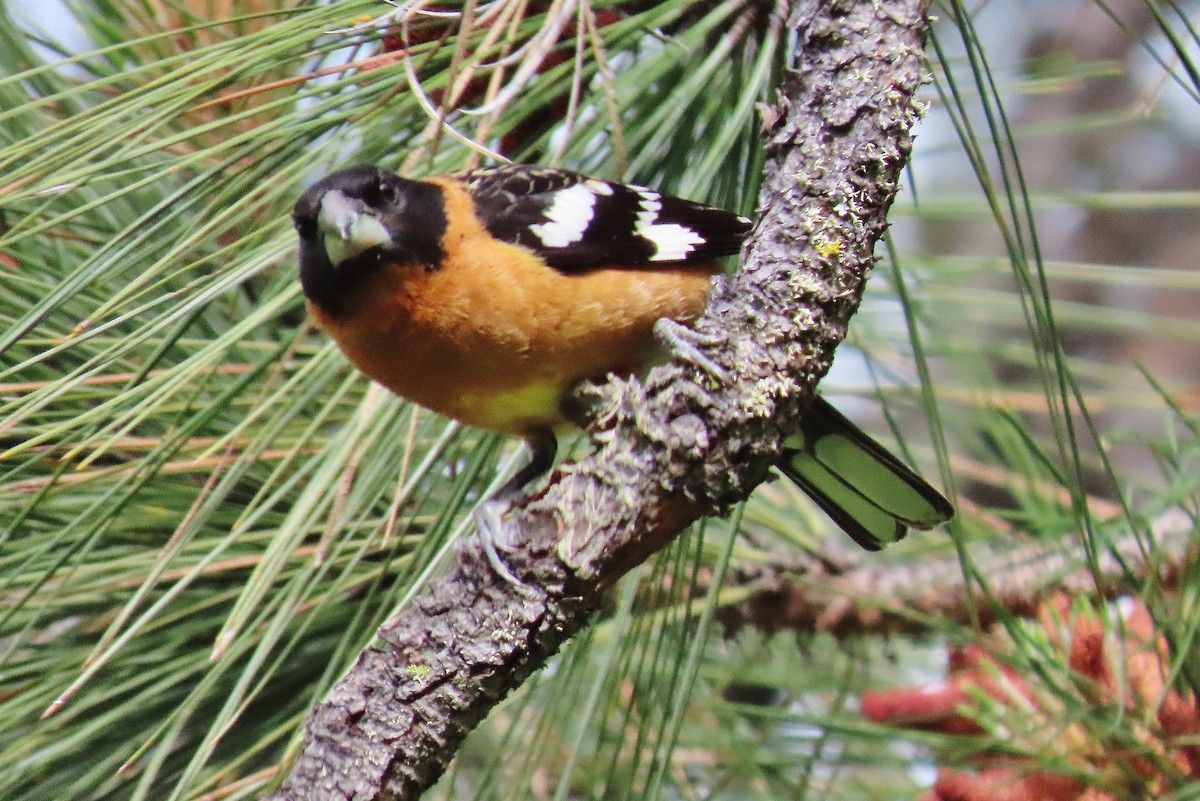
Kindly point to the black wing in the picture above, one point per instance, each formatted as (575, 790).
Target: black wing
(575, 222)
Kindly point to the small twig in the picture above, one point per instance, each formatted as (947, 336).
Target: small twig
(856, 595)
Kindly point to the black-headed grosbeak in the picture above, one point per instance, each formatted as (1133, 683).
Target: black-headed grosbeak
(486, 296)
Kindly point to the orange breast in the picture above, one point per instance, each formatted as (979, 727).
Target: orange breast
(495, 338)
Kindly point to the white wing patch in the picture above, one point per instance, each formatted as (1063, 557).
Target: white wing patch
(672, 241)
(568, 217)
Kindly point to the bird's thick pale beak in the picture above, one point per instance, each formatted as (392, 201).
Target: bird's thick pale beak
(347, 230)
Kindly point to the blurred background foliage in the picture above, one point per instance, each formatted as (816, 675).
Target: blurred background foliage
(204, 513)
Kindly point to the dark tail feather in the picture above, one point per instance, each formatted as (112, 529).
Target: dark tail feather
(867, 491)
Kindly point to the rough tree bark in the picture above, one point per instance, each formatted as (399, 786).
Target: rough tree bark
(681, 445)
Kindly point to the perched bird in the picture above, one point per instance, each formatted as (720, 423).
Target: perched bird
(486, 296)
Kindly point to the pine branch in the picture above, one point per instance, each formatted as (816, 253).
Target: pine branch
(854, 596)
(670, 450)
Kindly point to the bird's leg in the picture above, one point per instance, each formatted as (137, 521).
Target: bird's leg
(489, 514)
(686, 343)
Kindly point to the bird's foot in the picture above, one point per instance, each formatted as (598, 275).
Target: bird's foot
(489, 514)
(686, 343)
(489, 524)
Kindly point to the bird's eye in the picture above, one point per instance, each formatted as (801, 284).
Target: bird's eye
(384, 193)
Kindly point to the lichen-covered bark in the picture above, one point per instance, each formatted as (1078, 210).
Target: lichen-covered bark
(683, 444)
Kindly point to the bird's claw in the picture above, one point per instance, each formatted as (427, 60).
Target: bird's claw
(489, 517)
(686, 343)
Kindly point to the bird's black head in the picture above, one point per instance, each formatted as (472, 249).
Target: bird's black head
(354, 221)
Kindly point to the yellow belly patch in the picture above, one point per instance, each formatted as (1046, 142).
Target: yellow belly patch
(533, 405)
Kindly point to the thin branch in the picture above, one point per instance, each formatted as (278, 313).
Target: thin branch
(853, 595)
(670, 450)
